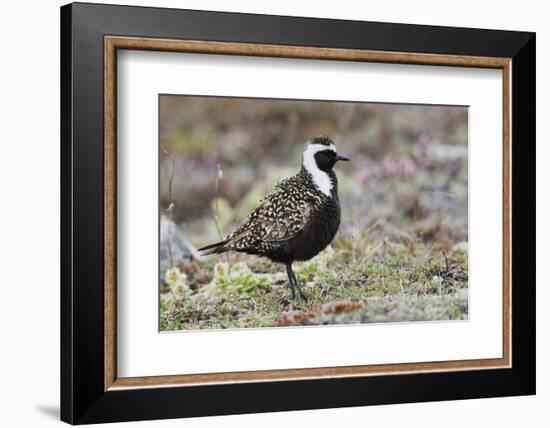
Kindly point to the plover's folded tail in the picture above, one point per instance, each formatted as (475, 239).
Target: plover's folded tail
(217, 248)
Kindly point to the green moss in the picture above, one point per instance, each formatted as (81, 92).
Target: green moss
(237, 280)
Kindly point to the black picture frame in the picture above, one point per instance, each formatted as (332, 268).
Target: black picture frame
(83, 398)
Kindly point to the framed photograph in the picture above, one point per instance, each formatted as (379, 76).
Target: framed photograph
(265, 213)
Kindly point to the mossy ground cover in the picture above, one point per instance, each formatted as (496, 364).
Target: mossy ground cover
(357, 280)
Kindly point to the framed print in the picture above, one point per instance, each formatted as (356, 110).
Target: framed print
(320, 213)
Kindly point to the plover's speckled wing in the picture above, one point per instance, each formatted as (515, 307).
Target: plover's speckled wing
(280, 216)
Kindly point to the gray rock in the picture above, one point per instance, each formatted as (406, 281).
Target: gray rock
(182, 250)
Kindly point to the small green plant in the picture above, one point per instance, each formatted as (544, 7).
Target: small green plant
(237, 278)
(177, 281)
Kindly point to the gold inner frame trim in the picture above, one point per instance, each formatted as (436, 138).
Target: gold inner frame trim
(113, 43)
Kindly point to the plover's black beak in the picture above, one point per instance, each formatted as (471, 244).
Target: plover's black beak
(342, 158)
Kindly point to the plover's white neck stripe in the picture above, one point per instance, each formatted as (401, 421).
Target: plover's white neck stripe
(320, 178)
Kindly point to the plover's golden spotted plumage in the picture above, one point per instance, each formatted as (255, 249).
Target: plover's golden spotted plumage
(298, 219)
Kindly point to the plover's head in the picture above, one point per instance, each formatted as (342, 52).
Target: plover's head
(318, 159)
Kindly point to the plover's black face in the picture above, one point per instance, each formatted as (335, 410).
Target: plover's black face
(326, 159)
(318, 159)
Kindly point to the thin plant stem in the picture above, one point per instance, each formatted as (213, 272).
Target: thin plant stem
(171, 207)
(219, 177)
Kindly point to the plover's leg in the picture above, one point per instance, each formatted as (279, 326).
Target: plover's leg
(291, 279)
(301, 295)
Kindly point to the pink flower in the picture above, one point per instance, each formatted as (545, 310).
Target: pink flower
(401, 168)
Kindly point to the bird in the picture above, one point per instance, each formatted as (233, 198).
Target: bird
(295, 221)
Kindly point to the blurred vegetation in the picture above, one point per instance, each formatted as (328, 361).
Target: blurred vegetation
(400, 253)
